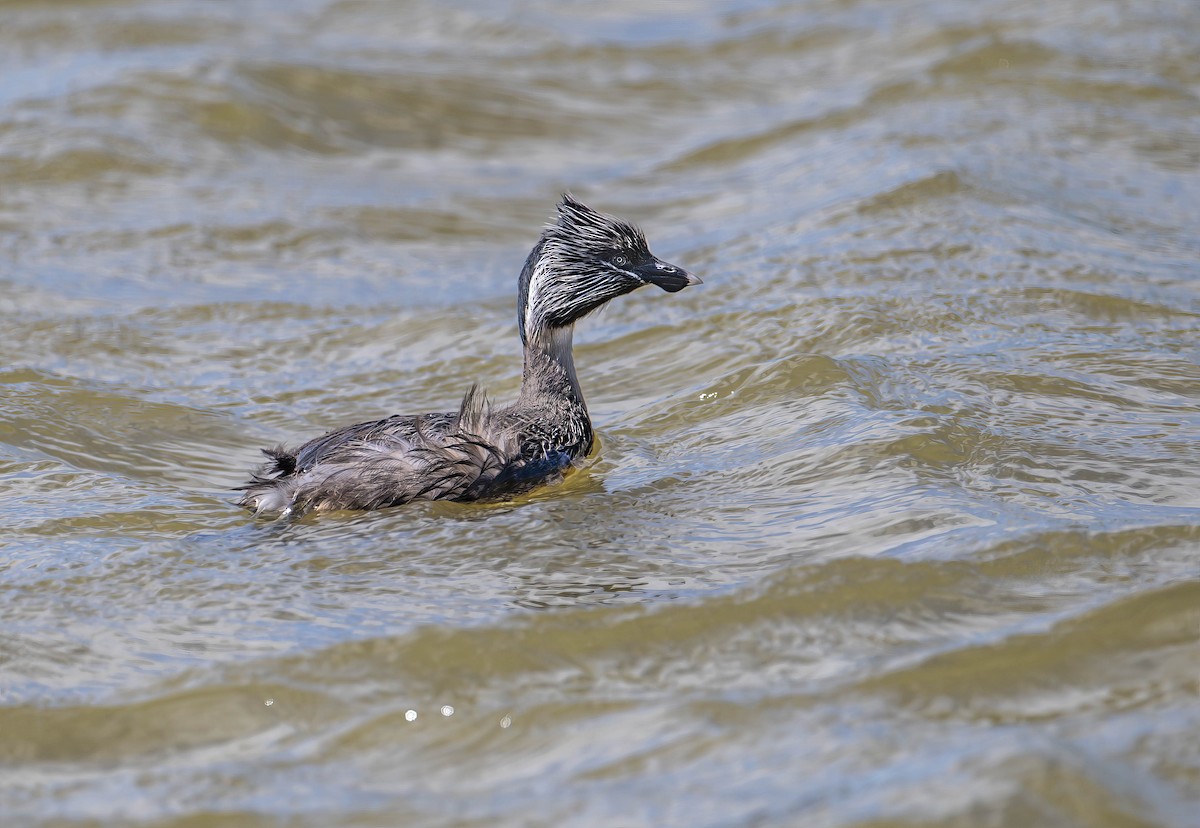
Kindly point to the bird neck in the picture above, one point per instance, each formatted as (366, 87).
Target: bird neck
(550, 368)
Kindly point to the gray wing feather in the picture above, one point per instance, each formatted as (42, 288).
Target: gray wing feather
(389, 462)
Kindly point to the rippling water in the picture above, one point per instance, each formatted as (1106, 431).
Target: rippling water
(895, 521)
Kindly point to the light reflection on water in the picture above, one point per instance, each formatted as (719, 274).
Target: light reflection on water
(894, 520)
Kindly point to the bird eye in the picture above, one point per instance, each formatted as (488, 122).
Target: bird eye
(620, 260)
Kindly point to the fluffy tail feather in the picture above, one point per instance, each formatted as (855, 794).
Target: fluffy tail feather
(285, 461)
(268, 491)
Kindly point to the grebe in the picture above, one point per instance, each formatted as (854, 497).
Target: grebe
(581, 261)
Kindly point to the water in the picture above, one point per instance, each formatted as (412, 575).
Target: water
(895, 520)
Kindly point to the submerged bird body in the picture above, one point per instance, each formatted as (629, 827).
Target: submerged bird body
(582, 261)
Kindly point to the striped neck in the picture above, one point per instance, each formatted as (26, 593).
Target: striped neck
(550, 368)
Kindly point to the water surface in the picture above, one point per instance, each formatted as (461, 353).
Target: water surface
(895, 520)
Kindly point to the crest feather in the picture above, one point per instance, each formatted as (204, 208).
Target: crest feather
(577, 221)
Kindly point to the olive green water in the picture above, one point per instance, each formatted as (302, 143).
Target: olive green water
(895, 520)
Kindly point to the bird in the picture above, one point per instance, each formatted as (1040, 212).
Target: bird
(582, 260)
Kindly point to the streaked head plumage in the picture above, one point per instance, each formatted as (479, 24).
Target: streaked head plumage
(584, 259)
(582, 231)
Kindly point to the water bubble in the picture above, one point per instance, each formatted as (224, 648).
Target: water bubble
(447, 710)
(269, 702)
(506, 721)
(410, 715)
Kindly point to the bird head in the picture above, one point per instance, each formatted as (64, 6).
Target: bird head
(583, 260)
